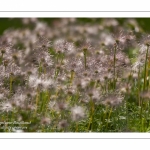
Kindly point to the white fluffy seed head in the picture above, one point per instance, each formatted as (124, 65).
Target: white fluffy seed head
(78, 113)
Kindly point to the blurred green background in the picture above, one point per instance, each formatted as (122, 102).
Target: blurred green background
(14, 23)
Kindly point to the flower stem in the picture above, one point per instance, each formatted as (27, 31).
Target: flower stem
(145, 69)
(90, 126)
(72, 76)
(115, 48)
(11, 82)
(85, 53)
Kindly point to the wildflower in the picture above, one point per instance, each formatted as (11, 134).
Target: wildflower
(61, 106)
(78, 113)
(74, 64)
(47, 83)
(95, 95)
(84, 82)
(52, 105)
(145, 40)
(108, 39)
(123, 90)
(6, 107)
(62, 124)
(5, 48)
(18, 99)
(145, 94)
(86, 46)
(42, 83)
(31, 107)
(137, 65)
(48, 60)
(144, 44)
(1, 96)
(62, 46)
(135, 75)
(119, 37)
(45, 121)
(112, 100)
(129, 37)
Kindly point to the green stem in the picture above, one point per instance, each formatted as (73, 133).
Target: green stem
(141, 114)
(115, 65)
(11, 81)
(62, 57)
(76, 127)
(40, 68)
(72, 76)
(1, 59)
(57, 57)
(37, 100)
(145, 69)
(139, 88)
(90, 126)
(108, 117)
(56, 73)
(85, 52)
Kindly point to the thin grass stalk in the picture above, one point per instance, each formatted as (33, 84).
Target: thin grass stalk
(11, 84)
(108, 117)
(145, 68)
(139, 88)
(114, 65)
(85, 55)
(90, 126)
(72, 76)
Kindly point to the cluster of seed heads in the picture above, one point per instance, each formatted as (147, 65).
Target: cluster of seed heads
(63, 77)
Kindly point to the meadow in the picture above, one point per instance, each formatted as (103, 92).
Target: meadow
(74, 75)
